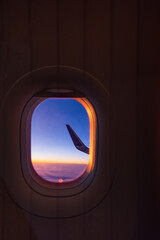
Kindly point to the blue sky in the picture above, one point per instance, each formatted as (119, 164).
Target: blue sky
(50, 140)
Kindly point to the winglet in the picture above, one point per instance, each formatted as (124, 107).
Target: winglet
(77, 141)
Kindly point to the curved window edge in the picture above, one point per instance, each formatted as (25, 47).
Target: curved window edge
(30, 175)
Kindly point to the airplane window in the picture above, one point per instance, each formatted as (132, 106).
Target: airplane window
(61, 139)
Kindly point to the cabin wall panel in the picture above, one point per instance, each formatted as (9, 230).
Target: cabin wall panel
(1, 208)
(15, 224)
(149, 135)
(84, 227)
(123, 94)
(57, 229)
(16, 56)
(43, 33)
(97, 40)
(70, 33)
(15, 61)
(98, 223)
(1, 50)
(1, 97)
(1, 33)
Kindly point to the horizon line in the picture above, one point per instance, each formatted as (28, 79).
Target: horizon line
(63, 162)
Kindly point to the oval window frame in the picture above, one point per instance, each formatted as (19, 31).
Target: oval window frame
(36, 182)
(99, 184)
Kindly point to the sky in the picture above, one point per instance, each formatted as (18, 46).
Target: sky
(50, 140)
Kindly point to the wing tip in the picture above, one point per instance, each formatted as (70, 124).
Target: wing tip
(76, 140)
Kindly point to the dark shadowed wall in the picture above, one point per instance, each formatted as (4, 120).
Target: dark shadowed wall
(118, 42)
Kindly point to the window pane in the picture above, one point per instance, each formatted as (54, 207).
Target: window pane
(60, 139)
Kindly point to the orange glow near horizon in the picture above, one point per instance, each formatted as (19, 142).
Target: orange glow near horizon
(58, 161)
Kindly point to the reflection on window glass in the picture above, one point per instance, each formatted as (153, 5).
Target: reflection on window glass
(60, 139)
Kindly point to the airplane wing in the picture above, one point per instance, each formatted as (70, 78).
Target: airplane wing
(77, 141)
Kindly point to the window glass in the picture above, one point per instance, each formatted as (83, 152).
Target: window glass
(60, 139)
